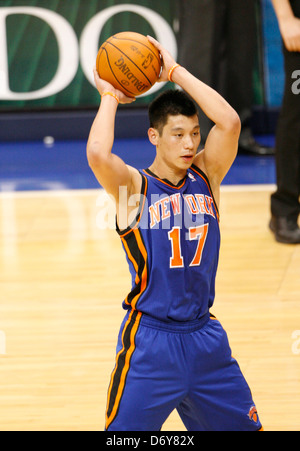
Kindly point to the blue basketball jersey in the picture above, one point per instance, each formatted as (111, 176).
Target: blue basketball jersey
(171, 352)
(173, 248)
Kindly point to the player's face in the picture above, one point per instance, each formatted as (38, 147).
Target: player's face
(179, 141)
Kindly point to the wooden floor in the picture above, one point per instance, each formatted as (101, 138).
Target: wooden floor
(62, 280)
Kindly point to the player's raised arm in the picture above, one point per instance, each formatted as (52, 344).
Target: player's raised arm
(222, 142)
(109, 169)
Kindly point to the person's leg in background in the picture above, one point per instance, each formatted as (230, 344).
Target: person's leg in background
(285, 206)
(240, 35)
(285, 202)
(195, 42)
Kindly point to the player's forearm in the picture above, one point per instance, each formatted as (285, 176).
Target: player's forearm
(212, 104)
(101, 137)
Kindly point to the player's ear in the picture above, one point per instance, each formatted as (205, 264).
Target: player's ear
(153, 136)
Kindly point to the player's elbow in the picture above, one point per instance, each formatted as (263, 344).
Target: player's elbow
(232, 124)
(94, 155)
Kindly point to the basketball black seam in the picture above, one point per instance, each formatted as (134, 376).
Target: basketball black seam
(123, 87)
(131, 62)
(138, 42)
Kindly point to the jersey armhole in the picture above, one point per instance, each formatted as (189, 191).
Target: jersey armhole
(205, 178)
(137, 219)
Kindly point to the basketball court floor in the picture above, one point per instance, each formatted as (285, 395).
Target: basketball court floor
(63, 276)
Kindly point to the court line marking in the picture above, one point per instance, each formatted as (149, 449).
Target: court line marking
(87, 192)
(248, 188)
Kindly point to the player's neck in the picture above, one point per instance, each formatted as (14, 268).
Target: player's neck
(165, 172)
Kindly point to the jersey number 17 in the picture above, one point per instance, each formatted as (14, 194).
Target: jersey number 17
(195, 233)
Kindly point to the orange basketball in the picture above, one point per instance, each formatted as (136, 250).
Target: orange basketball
(129, 62)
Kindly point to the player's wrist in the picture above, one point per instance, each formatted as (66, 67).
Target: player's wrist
(110, 94)
(172, 70)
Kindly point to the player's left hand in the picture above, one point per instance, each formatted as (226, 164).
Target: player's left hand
(167, 59)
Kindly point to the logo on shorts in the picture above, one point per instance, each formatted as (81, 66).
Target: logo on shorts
(253, 416)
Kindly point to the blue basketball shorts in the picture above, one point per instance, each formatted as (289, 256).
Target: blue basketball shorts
(189, 367)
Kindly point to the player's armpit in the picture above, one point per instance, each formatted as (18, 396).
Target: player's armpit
(112, 173)
(221, 149)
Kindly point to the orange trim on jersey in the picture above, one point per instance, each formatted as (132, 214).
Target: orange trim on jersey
(130, 330)
(140, 212)
(137, 254)
(143, 279)
(164, 182)
(203, 176)
(115, 370)
(133, 261)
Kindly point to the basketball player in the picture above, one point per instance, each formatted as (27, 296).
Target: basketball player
(172, 353)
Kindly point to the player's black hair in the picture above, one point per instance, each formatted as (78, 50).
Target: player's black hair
(170, 103)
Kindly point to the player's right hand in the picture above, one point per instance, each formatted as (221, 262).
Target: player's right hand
(104, 86)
